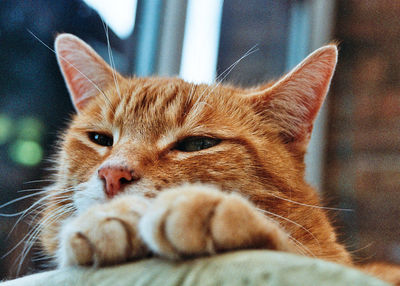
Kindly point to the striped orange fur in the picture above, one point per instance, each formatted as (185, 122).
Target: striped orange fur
(243, 187)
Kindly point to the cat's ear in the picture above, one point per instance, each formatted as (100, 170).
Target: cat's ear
(85, 72)
(292, 103)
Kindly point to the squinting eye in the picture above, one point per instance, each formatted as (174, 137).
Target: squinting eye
(192, 144)
(101, 139)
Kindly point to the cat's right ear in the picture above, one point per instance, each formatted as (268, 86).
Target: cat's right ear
(85, 72)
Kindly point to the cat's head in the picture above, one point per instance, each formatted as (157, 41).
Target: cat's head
(141, 135)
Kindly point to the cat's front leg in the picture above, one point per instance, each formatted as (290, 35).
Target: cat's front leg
(104, 234)
(194, 220)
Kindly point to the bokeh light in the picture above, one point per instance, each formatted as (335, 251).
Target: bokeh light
(26, 152)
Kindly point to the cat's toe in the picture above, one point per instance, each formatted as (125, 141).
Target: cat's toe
(82, 250)
(106, 242)
(75, 246)
(177, 224)
(105, 234)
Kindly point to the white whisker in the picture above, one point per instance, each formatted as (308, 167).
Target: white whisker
(228, 70)
(17, 200)
(293, 222)
(201, 99)
(111, 58)
(31, 237)
(35, 206)
(39, 181)
(29, 190)
(311, 206)
(304, 249)
(35, 229)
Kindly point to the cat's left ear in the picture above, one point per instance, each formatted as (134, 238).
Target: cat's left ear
(291, 104)
(85, 72)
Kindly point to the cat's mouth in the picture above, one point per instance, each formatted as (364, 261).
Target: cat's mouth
(93, 192)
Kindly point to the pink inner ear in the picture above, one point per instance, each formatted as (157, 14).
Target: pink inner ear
(320, 90)
(80, 104)
(80, 87)
(293, 102)
(75, 82)
(84, 71)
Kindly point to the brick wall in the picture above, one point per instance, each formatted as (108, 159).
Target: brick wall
(363, 166)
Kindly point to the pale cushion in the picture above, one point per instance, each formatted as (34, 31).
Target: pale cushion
(256, 267)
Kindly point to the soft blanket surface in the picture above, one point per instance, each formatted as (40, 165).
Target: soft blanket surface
(234, 268)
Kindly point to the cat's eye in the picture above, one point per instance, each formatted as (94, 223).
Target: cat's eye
(192, 144)
(101, 138)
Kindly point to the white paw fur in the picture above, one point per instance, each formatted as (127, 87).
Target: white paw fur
(190, 220)
(194, 220)
(104, 234)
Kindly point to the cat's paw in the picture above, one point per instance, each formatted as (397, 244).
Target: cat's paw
(104, 234)
(194, 220)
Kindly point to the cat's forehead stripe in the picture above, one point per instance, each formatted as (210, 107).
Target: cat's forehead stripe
(168, 103)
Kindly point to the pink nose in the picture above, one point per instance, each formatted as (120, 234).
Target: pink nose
(116, 178)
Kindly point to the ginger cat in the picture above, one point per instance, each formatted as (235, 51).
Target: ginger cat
(163, 166)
